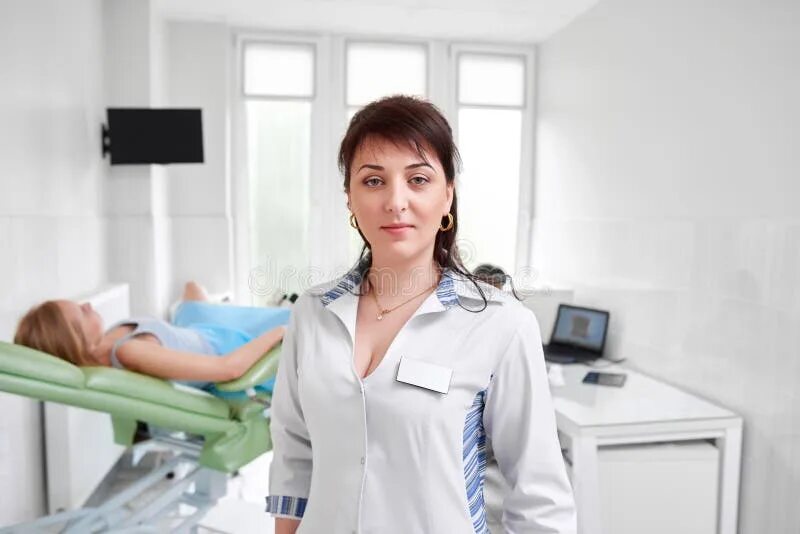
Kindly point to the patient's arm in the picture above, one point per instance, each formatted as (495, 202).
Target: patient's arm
(284, 525)
(155, 360)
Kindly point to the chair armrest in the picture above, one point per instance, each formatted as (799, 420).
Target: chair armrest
(261, 371)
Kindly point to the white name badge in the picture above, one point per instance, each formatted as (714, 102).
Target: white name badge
(425, 375)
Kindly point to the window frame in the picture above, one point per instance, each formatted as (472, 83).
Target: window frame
(239, 208)
(527, 137)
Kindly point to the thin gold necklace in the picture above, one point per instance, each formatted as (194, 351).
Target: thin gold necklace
(383, 311)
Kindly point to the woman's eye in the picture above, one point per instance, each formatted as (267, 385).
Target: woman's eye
(416, 180)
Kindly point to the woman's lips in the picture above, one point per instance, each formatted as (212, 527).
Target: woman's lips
(397, 230)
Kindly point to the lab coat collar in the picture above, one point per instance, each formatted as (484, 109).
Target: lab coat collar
(342, 298)
(452, 289)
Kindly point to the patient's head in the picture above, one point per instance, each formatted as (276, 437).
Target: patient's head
(62, 328)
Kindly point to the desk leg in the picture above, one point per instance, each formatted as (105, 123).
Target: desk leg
(730, 450)
(585, 484)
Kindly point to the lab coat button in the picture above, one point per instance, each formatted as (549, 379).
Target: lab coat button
(363, 460)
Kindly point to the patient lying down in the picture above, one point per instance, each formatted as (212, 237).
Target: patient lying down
(205, 343)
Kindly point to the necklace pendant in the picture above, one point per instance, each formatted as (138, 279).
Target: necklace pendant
(380, 316)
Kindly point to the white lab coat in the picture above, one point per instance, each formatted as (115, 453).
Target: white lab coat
(379, 456)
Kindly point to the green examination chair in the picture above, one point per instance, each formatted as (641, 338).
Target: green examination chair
(205, 437)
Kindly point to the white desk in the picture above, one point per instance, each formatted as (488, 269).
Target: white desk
(644, 410)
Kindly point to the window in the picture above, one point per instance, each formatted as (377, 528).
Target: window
(278, 84)
(279, 70)
(375, 70)
(491, 105)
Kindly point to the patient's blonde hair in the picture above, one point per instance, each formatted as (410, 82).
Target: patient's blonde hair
(46, 328)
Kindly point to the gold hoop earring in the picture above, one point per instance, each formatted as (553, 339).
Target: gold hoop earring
(449, 223)
(353, 221)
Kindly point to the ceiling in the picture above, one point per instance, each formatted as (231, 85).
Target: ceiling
(527, 21)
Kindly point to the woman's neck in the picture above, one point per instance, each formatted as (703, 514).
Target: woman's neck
(399, 281)
(101, 353)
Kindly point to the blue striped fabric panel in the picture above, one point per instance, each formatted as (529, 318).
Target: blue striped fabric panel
(347, 283)
(475, 462)
(446, 291)
(293, 506)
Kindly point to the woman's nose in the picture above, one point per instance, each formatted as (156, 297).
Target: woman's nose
(397, 200)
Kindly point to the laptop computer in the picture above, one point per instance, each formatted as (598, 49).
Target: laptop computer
(579, 334)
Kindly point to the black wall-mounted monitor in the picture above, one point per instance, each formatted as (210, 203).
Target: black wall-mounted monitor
(143, 136)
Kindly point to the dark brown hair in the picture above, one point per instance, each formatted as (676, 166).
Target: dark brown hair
(407, 120)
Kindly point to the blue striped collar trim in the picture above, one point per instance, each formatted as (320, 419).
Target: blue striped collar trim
(447, 291)
(346, 284)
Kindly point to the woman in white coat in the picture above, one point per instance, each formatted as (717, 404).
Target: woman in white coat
(396, 378)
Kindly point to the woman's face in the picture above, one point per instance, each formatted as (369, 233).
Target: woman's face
(394, 185)
(84, 316)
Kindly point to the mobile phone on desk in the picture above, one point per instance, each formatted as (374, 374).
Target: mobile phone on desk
(605, 379)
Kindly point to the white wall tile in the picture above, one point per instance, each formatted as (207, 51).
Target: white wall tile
(81, 253)
(199, 76)
(199, 195)
(200, 252)
(134, 257)
(51, 107)
(128, 190)
(35, 259)
(783, 279)
(21, 468)
(6, 265)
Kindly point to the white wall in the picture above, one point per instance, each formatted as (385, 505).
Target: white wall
(201, 237)
(667, 190)
(136, 195)
(52, 240)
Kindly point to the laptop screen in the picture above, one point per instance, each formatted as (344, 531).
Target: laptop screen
(580, 327)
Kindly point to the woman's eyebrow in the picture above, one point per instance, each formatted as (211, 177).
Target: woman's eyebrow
(379, 168)
(418, 165)
(370, 166)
